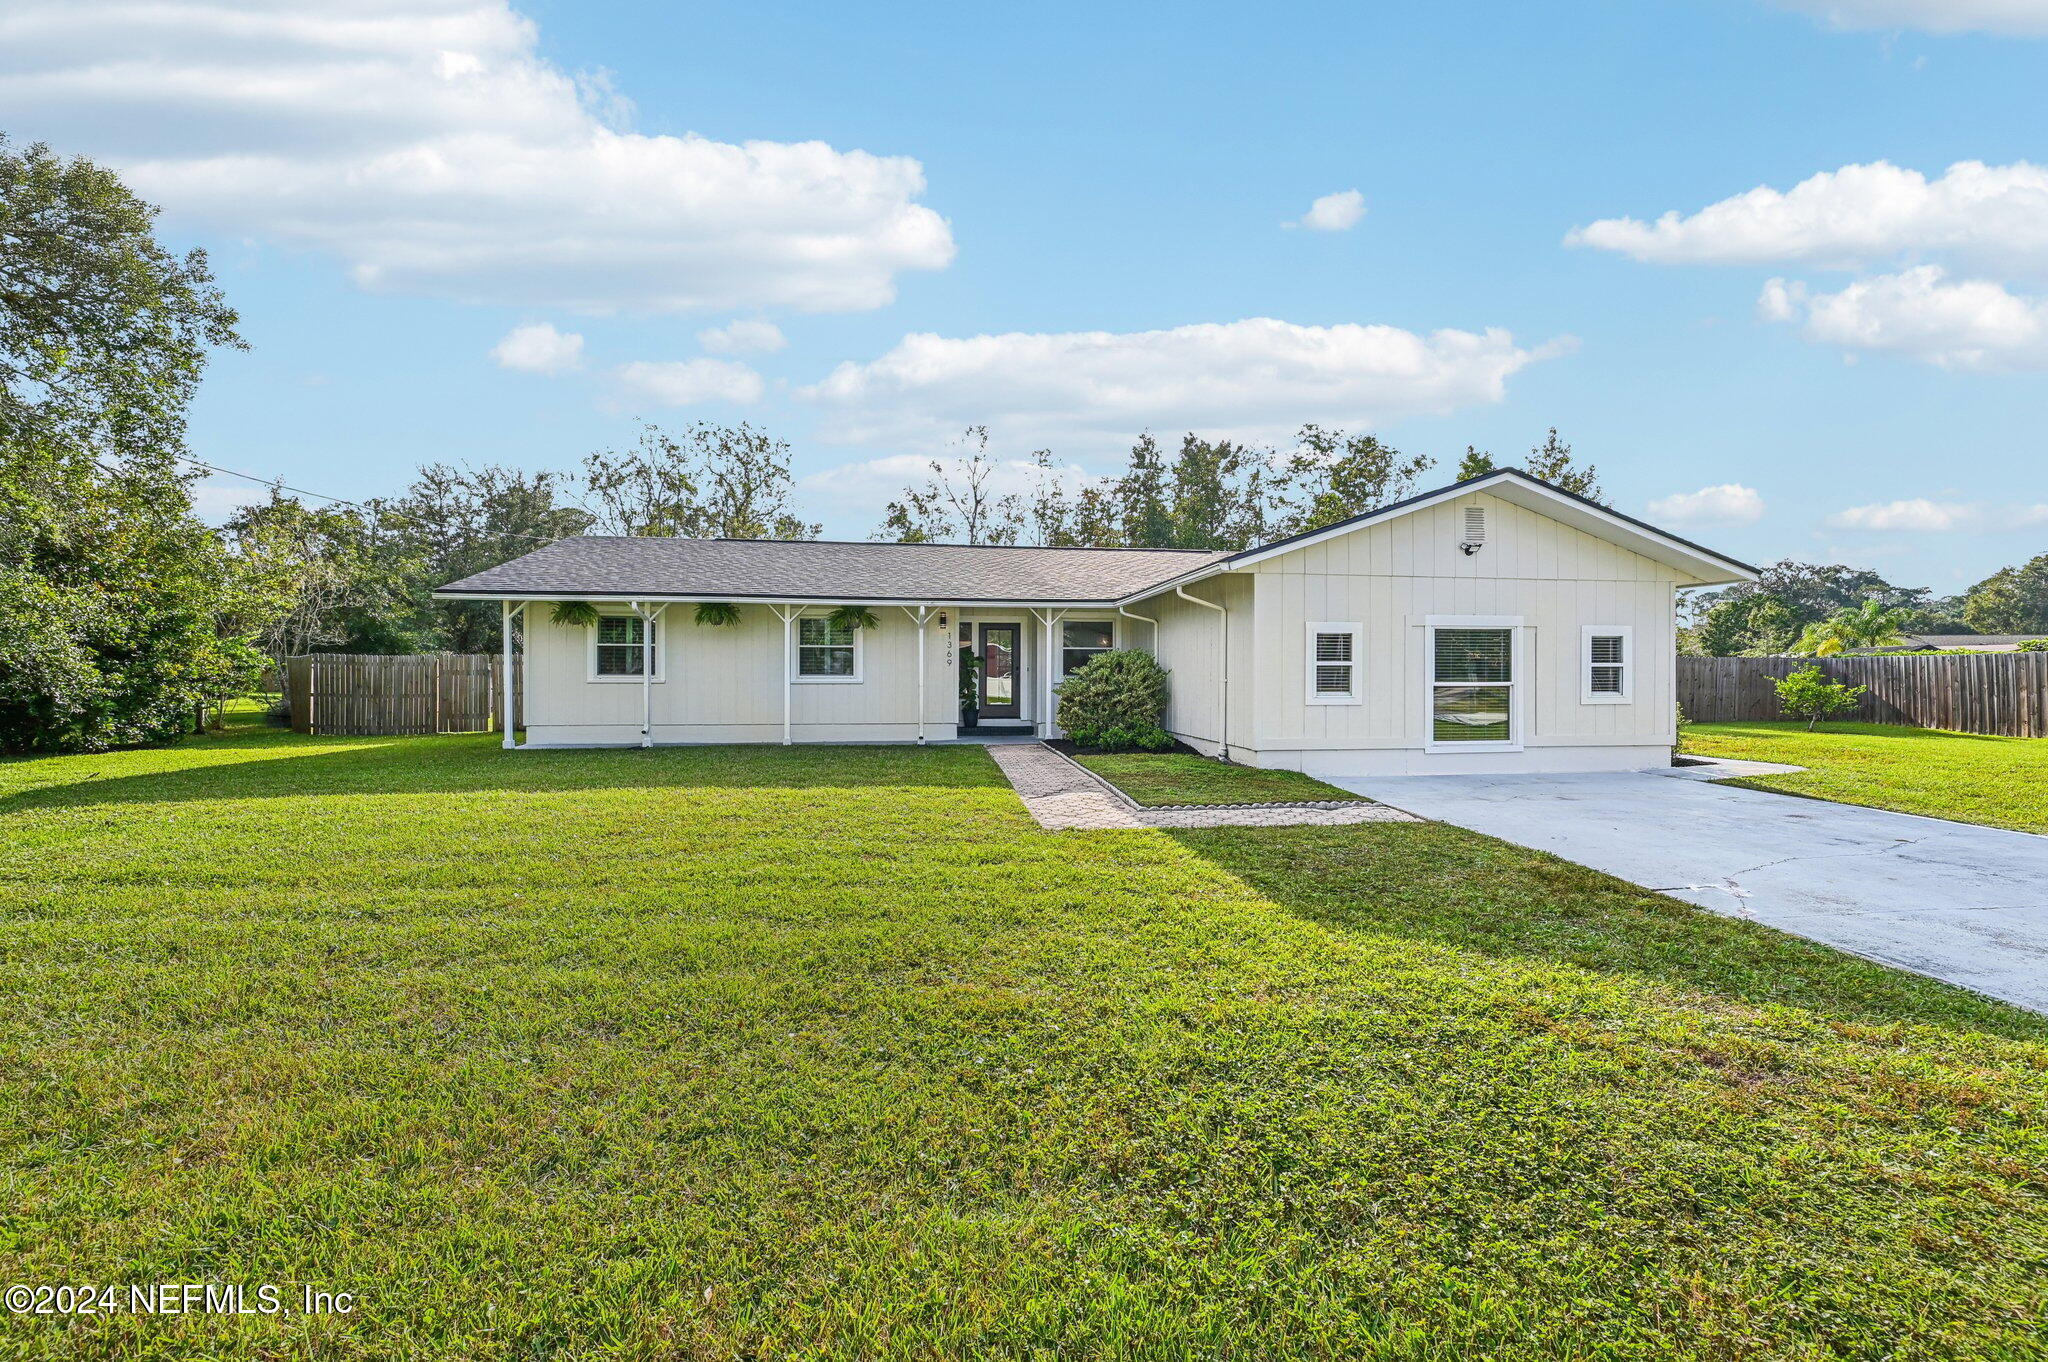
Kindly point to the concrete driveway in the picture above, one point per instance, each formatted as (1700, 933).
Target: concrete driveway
(1962, 903)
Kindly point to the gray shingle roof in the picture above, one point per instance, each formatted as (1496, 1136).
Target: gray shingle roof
(595, 566)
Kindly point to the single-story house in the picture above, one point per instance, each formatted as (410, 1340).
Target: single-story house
(1497, 624)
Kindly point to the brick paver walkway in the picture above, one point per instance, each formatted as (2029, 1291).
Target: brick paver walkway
(1062, 794)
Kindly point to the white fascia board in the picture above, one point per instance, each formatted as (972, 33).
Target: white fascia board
(1710, 568)
(656, 598)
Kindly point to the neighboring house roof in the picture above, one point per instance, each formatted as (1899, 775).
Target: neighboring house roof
(771, 569)
(795, 569)
(1981, 643)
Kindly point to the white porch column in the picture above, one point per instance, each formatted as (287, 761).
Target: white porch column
(1048, 653)
(787, 614)
(505, 700)
(923, 614)
(646, 674)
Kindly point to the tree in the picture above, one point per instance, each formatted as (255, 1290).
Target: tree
(958, 503)
(1141, 499)
(1085, 517)
(1550, 461)
(1332, 476)
(1750, 625)
(1218, 495)
(312, 577)
(453, 522)
(110, 589)
(714, 482)
(1870, 625)
(1808, 694)
(1812, 592)
(2012, 600)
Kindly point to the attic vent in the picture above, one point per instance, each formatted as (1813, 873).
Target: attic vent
(1475, 530)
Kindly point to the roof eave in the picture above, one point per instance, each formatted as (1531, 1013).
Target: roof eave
(685, 598)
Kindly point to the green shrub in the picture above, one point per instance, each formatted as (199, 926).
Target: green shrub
(2033, 645)
(1808, 694)
(1116, 701)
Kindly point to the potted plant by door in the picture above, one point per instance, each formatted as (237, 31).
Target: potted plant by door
(970, 689)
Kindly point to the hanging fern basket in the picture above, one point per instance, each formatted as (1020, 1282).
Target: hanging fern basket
(853, 617)
(717, 613)
(575, 614)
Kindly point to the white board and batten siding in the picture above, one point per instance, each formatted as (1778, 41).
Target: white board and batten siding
(1390, 578)
(725, 684)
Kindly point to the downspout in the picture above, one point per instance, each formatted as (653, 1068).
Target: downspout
(1223, 627)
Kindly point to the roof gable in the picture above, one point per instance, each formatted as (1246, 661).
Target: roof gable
(1514, 486)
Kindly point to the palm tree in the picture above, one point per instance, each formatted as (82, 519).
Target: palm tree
(1872, 624)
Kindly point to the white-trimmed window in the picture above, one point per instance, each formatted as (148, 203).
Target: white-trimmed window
(1334, 663)
(1475, 666)
(825, 652)
(1606, 664)
(619, 648)
(1082, 641)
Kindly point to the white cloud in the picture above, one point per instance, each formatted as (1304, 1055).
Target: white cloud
(2021, 18)
(1255, 379)
(682, 383)
(214, 500)
(1989, 217)
(1338, 212)
(1728, 503)
(1921, 314)
(1926, 515)
(742, 338)
(428, 145)
(539, 349)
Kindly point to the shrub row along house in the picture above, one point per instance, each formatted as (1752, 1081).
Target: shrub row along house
(1498, 624)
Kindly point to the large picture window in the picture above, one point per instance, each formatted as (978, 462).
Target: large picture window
(620, 648)
(1472, 684)
(825, 652)
(1083, 640)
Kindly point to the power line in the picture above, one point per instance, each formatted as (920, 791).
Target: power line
(369, 511)
(275, 482)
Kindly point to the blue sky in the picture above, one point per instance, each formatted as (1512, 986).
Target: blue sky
(1849, 368)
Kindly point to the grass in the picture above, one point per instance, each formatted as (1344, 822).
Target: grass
(764, 1052)
(1972, 777)
(1181, 778)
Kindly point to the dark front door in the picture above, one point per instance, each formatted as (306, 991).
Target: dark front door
(999, 671)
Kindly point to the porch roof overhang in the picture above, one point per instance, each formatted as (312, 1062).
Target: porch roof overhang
(907, 602)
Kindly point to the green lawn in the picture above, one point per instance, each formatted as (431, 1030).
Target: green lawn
(1968, 776)
(833, 1053)
(1181, 778)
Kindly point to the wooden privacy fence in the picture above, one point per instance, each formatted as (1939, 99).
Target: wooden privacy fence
(1998, 693)
(349, 693)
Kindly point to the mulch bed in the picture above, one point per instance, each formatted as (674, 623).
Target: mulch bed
(1067, 747)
